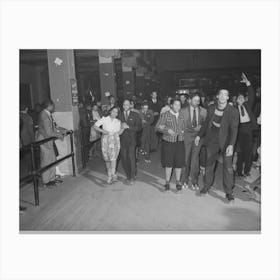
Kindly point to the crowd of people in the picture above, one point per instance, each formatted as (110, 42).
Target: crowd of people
(192, 131)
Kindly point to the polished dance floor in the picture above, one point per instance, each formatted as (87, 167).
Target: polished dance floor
(87, 203)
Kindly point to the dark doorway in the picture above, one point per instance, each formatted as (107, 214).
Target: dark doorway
(25, 95)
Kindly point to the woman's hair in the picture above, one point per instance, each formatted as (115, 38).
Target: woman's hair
(175, 99)
(115, 107)
(47, 103)
(166, 100)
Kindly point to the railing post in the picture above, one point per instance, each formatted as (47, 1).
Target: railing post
(34, 175)
(72, 152)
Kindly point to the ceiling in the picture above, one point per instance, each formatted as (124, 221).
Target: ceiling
(165, 60)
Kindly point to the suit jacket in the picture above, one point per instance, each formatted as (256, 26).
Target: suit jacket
(46, 128)
(249, 108)
(228, 130)
(156, 108)
(134, 122)
(190, 133)
(148, 117)
(27, 130)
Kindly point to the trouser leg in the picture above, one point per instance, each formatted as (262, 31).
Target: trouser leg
(47, 157)
(228, 177)
(240, 154)
(194, 167)
(132, 161)
(186, 169)
(125, 163)
(247, 156)
(212, 152)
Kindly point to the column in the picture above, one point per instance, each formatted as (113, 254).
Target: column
(128, 73)
(140, 82)
(107, 74)
(64, 93)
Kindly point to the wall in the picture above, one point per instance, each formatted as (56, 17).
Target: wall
(36, 77)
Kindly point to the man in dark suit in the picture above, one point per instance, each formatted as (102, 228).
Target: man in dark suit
(247, 125)
(220, 133)
(194, 117)
(26, 137)
(46, 129)
(155, 105)
(131, 123)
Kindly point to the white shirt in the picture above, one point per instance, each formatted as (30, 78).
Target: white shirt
(95, 115)
(175, 114)
(109, 124)
(245, 118)
(196, 113)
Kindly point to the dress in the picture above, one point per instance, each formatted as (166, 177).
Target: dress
(110, 143)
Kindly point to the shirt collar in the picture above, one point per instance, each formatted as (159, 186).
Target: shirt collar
(174, 114)
(48, 112)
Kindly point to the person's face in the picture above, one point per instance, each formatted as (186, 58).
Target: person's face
(126, 105)
(154, 95)
(202, 99)
(88, 108)
(223, 96)
(132, 104)
(183, 98)
(112, 100)
(114, 113)
(240, 100)
(95, 108)
(176, 106)
(195, 101)
(51, 108)
(145, 108)
(169, 100)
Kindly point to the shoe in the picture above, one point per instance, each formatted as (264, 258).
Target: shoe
(185, 186)
(178, 186)
(167, 187)
(203, 192)
(109, 180)
(127, 182)
(147, 160)
(22, 209)
(51, 184)
(230, 197)
(195, 187)
(58, 181)
(114, 178)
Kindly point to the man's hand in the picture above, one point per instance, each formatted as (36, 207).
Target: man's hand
(245, 80)
(60, 136)
(125, 125)
(196, 140)
(161, 127)
(229, 151)
(197, 128)
(171, 132)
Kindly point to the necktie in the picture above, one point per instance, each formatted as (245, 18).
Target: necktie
(194, 121)
(53, 123)
(242, 111)
(125, 115)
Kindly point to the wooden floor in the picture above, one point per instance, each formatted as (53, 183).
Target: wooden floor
(87, 203)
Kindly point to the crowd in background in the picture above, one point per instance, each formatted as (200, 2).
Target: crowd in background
(135, 127)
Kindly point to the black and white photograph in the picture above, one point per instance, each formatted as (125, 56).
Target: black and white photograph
(140, 140)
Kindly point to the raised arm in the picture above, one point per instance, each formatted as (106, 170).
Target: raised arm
(251, 92)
